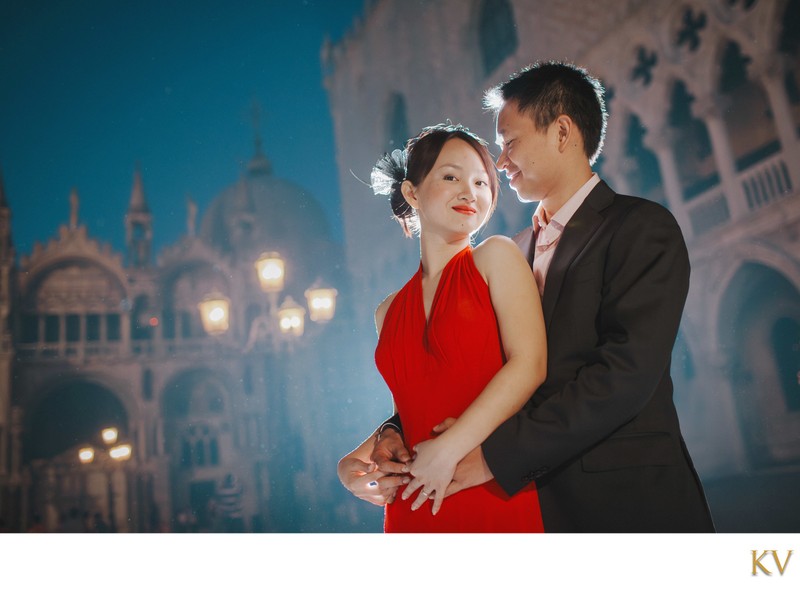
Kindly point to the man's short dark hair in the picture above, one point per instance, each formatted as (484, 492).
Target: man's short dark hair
(545, 91)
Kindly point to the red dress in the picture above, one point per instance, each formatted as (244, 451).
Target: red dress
(435, 368)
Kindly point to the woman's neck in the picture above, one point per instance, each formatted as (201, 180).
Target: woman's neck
(436, 251)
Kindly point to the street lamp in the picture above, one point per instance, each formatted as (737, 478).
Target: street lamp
(271, 271)
(215, 313)
(275, 329)
(321, 302)
(289, 318)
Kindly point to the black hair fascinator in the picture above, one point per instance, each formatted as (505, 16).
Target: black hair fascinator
(388, 173)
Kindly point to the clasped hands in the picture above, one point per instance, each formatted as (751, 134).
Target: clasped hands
(431, 470)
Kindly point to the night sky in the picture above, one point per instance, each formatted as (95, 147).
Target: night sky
(90, 90)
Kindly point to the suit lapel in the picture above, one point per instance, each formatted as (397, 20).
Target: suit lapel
(526, 243)
(577, 233)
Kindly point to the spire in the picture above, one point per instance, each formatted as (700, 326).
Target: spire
(74, 205)
(6, 245)
(259, 162)
(3, 200)
(138, 225)
(137, 203)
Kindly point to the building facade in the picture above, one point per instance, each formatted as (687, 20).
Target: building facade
(704, 103)
(91, 338)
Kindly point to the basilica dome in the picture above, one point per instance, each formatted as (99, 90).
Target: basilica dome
(262, 212)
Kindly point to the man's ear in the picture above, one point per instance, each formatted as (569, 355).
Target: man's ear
(568, 133)
(409, 193)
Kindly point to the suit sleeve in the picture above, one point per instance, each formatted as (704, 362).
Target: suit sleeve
(392, 422)
(644, 287)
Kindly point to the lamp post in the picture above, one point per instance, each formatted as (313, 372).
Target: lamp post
(276, 331)
(111, 457)
(288, 319)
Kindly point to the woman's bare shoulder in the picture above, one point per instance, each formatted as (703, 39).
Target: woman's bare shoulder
(496, 251)
(380, 312)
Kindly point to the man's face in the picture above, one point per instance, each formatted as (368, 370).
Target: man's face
(528, 155)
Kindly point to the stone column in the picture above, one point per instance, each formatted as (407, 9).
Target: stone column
(125, 332)
(661, 140)
(770, 76)
(709, 109)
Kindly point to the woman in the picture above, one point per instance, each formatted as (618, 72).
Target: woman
(463, 338)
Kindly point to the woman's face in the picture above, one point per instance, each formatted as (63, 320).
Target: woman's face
(455, 197)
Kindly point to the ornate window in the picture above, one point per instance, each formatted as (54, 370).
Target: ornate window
(645, 177)
(646, 60)
(497, 34)
(199, 448)
(691, 25)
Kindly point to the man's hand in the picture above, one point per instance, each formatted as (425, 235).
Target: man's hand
(365, 482)
(390, 453)
(471, 471)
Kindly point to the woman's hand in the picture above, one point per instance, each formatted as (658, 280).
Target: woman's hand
(432, 469)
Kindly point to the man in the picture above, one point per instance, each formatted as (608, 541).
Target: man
(600, 437)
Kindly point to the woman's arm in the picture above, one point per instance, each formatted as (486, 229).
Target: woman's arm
(519, 314)
(389, 453)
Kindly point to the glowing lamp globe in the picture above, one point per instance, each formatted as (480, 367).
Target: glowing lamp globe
(86, 455)
(121, 452)
(291, 317)
(321, 303)
(109, 435)
(271, 270)
(214, 313)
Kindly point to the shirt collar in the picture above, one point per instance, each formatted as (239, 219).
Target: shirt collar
(565, 212)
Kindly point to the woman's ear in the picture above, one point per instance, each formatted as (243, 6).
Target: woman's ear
(409, 193)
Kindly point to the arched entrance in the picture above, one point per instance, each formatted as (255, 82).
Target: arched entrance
(197, 437)
(759, 334)
(68, 492)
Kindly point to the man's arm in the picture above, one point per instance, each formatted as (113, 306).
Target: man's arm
(644, 288)
(390, 453)
(361, 476)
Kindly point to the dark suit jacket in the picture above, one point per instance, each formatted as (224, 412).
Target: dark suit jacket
(601, 436)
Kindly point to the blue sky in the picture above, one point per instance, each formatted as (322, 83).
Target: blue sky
(89, 90)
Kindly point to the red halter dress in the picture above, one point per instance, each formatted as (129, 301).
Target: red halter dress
(435, 368)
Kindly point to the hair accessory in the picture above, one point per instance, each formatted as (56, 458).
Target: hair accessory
(388, 173)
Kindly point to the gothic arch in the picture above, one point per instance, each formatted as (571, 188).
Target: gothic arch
(40, 274)
(70, 412)
(719, 280)
(196, 408)
(183, 287)
(757, 299)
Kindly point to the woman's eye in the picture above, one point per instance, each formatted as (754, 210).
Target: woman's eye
(449, 177)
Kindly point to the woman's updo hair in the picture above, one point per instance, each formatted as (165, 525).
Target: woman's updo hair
(416, 161)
